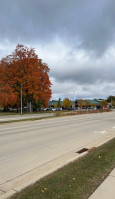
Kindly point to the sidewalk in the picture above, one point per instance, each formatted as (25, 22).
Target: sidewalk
(107, 189)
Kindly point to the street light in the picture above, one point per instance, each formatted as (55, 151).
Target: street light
(21, 98)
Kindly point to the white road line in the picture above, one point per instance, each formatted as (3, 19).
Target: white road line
(100, 132)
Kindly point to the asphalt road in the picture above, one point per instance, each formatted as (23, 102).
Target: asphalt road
(26, 145)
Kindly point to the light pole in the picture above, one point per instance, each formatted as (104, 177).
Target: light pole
(21, 98)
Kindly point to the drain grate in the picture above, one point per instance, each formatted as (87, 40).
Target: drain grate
(82, 150)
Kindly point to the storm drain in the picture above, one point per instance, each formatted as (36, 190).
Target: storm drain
(82, 150)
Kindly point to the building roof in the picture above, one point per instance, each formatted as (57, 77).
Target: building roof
(94, 102)
(55, 102)
(51, 103)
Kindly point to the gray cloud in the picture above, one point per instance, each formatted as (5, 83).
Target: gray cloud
(84, 69)
(89, 24)
(75, 38)
(86, 75)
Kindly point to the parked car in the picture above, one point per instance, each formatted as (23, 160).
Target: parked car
(43, 109)
(105, 108)
(53, 109)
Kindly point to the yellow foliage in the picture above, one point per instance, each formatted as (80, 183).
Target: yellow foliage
(66, 103)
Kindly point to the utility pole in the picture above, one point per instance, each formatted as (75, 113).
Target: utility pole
(21, 98)
(30, 107)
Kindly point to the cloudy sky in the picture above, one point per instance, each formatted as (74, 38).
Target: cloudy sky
(76, 38)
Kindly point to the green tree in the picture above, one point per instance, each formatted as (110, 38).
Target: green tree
(37, 105)
(59, 103)
(113, 103)
(110, 98)
(66, 103)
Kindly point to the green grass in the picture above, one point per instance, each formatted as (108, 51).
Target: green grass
(25, 120)
(18, 113)
(77, 180)
(56, 114)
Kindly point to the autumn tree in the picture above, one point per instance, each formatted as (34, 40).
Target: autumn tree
(81, 103)
(55, 105)
(24, 69)
(66, 103)
(87, 103)
(104, 103)
(93, 105)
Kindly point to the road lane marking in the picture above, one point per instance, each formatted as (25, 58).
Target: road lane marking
(100, 132)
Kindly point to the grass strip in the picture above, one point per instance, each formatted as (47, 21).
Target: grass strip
(18, 113)
(24, 120)
(77, 180)
(79, 112)
(56, 114)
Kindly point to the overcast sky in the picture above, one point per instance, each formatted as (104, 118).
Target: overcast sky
(76, 38)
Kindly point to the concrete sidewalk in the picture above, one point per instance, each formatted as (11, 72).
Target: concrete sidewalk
(107, 189)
